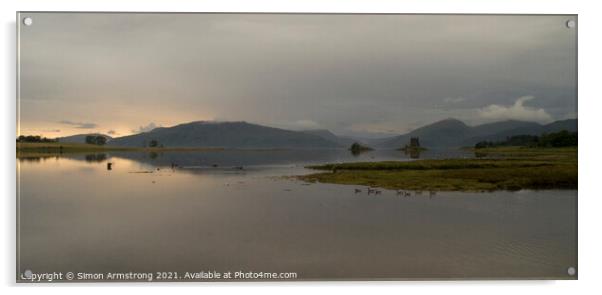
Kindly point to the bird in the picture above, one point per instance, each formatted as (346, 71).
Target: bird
(357, 190)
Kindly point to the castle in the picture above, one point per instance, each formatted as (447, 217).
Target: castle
(414, 142)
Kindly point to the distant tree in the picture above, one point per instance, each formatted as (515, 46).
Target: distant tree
(153, 143)
(96, 139)
(558, 139)
(34, 138)
(522, 140)
(357, 148)
(100, 140)
(91, 139)
(483, 144)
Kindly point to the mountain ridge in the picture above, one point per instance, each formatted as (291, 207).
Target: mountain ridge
(328, 135)
(454, 133)
(225, 135)
(449, 132)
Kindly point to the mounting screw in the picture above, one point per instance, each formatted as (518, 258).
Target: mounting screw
(571, 271)
(570, 24)
(28, 21)
(27, 274)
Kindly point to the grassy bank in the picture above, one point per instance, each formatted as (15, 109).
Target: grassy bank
(507, 168)
(32, 149)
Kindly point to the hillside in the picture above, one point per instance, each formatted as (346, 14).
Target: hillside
(326, 134)
(454, 133)
(226, 135)
(448, 132)
(527, 128)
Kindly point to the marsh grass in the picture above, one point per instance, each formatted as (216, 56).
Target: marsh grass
(507, 168)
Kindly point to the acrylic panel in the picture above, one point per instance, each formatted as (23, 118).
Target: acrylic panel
(276, 147)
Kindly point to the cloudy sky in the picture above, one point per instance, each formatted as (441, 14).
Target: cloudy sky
(353, 74)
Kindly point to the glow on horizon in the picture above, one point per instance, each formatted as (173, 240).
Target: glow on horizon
(57, 129)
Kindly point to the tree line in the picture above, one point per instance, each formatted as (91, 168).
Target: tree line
(96, 139)
(563, 138)
(35, 138)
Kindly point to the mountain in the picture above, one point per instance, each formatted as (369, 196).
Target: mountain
(448, 132)
(527, 128)
(569, 125)
(454, 133)
(81, 138)
(502, 126)
(225, 135)
(326, 134)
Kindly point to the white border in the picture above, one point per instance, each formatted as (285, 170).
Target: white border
(589, 105)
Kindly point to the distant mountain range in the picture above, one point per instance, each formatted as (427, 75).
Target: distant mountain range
(326, 134)
(226, 135)
(454, 133)
(243, 135)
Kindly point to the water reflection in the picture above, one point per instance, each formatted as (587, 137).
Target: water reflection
(412, 153)
(35, 158)
(96, 157)
(252, 158)
(357, 152)
(244, 158)
(147, 215)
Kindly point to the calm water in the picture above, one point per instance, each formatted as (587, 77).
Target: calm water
(77, 216)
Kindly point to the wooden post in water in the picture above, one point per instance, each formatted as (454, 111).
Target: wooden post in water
(109, 166)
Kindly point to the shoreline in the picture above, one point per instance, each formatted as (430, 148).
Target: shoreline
(507, 168)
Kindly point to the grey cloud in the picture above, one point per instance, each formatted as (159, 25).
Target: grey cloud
(81, 125)
(278, 69)
(454, 99)
(517, 111)
(150, 126)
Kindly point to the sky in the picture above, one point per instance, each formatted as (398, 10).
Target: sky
(358, 75)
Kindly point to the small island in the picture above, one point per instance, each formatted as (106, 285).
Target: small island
(413, 149)
(357, 148)
(413, 146)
